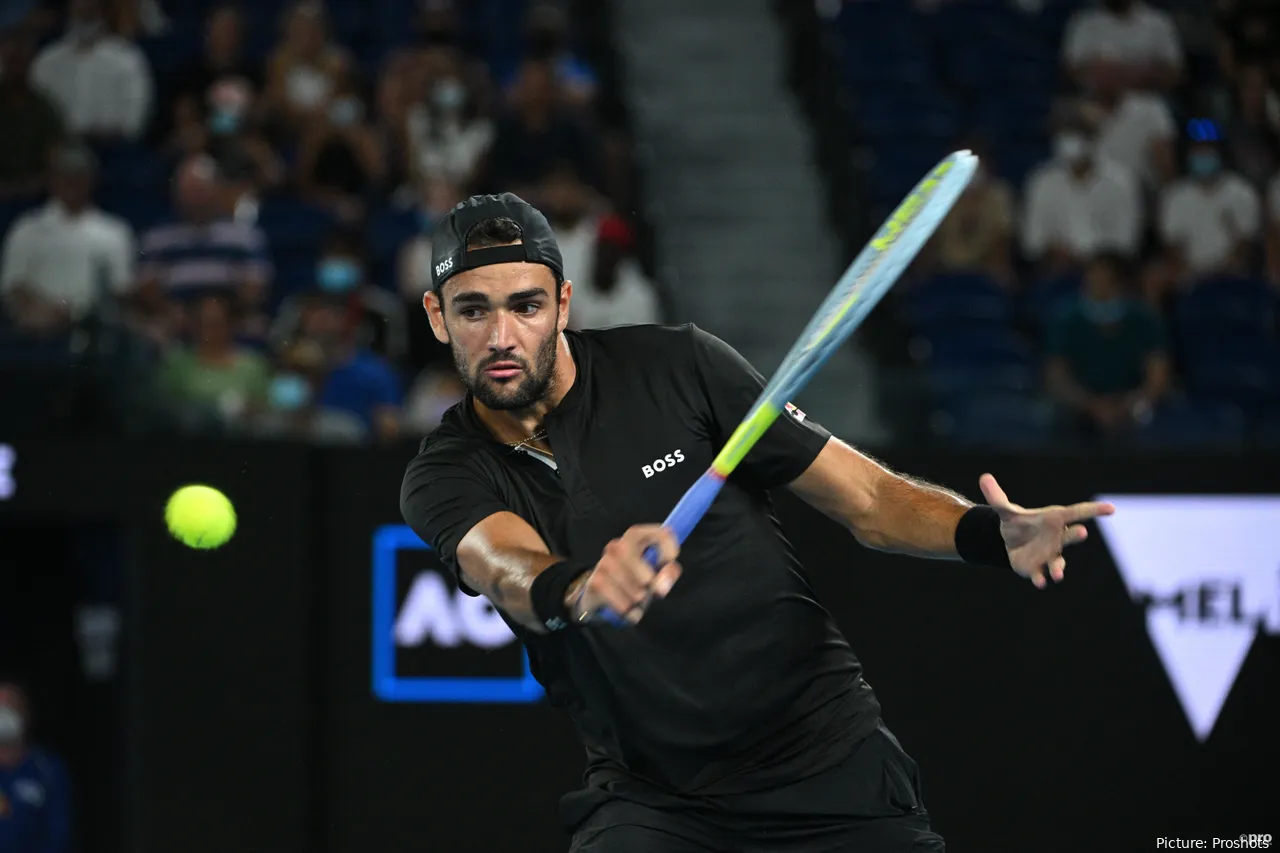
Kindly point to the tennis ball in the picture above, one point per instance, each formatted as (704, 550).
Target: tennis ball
(200, 517)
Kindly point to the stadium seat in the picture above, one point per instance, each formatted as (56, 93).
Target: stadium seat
(969, 347)
(1047, 296)
(289, 223)
(1182, 423)
(139, 209)
(1224, 308)
(388, 230)
(1002, 420)
(951, 300)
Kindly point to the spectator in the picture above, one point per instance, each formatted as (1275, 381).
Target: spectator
(203, 250)
(292, 410)
(1248, 33)
(236, 140)
(35, 800)
(538, 135)
(574, 213)
(100, 82)
(63, 258)
(434, 392)
(223, 60)
(616, 293)
(378, 316)
(31, 122)
(413, 271)
(306, 69)
(1079, 204)
(340, 157)
(448, 137)
(1273, 230)
(1144, 38)
(213, 380)
(352, 379)
(1253, 133)
(1208, 222)
(977, 235)
(547, 38)
(1134, 128)
(1108, 362)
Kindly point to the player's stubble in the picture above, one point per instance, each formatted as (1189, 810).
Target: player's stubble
(535, 384)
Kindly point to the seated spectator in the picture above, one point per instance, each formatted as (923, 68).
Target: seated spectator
(306, 69)
(1253, 131)
(1144, 37)
(1273, 230)
(617, 292)
(61, 260)
(235, 138)
(340, 156)
(202, 250)
(1108, 361)
(413, 272)
(224, 60)
(350, 378)
(32, 124)
(538, 135)
(977, 236)
(447, 135)
(1079, 204)
(547, 38)
(1209, 222)
(1248, 33)
(341, 274)
(35, 795)
(573, 209)
(213, 380)
(434, 392)
(101, 83)
(1134, 128)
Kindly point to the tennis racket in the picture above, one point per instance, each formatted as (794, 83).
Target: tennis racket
(863, 284)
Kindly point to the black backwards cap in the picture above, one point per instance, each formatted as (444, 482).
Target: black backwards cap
(449, 252)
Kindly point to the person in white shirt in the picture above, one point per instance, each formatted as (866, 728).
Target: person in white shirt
(1134, 128)
(447, 135)
(617, 293)
(101, 82)
(60, 260)
(1079, 204)
(1144, 37)
(1209, 222)
(1273, 231)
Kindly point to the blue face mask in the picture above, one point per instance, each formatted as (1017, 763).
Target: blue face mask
(345, 112)
(1204, 164)
(289, 392)
(224, 122)
(338, 275)
(1104, 312)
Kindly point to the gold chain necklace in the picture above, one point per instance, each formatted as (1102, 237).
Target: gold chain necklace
(516, 445)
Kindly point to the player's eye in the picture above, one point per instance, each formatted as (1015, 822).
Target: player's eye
(526, 308)
(472, 313)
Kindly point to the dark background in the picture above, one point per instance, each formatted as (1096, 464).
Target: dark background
(1041, 720)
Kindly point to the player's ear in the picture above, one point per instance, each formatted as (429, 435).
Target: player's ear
(435, 316)
(566, 293)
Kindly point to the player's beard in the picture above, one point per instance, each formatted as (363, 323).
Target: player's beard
(535, 385)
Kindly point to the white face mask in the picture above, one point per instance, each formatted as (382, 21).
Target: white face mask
(11, 727)
(1071, 148)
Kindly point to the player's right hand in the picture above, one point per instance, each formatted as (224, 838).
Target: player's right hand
(624, 581)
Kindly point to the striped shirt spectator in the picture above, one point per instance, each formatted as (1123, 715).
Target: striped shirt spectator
(184, 258)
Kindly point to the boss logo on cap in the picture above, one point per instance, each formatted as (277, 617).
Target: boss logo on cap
(444, 266)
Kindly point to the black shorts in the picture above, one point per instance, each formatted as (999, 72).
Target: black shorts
(871, 803)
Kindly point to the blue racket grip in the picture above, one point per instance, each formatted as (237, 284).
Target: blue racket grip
(681, 521)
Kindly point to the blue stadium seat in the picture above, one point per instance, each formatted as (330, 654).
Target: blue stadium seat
(1180, 423)
(1000, 420)
(388, 230)
(1224, 307)
(132, 168)
(1047, 296)
(951, 300)
(949, 386)
(291, 224)
(977, 347)
(141, 210)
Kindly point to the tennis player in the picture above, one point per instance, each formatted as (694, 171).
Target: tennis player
(730, 714)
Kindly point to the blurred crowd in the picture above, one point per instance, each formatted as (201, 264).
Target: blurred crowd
(1120, 249)
(218, 217)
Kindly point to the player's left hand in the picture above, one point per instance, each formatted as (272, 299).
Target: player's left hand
(1036, 538)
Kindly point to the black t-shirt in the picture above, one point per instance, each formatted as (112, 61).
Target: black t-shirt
(737, 681)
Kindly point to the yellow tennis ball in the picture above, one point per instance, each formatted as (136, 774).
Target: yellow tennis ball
(200, 517)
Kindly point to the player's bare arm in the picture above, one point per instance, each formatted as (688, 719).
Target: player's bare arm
(893, 512)
(502, 556)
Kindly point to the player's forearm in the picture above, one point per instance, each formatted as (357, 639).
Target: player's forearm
(910, 516)
(507, 581)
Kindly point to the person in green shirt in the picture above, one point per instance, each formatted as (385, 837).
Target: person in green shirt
(213, 380)
(1108, 358)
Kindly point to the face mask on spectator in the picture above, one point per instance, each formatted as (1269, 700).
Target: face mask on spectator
(338, 275)
(1204, 164)
(289, 392)
(224, 122)
(449, 96)
(1071, 148)
(12, 727)
(346, 111)
(1104, 312)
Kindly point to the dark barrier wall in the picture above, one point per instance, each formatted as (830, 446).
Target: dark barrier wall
(1047, 721)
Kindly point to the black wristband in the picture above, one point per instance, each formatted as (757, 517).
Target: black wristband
(547, 594)
(978, 538)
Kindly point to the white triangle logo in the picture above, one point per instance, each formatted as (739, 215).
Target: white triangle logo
(1207, 570)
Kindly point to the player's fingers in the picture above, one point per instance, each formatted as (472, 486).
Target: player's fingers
(1057, 566)
(1037, 577)
(665, 542)
(608, 592)
(627, 565)
(1087, 510)
(1075, 534)
(666, 579)
(992, 492)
